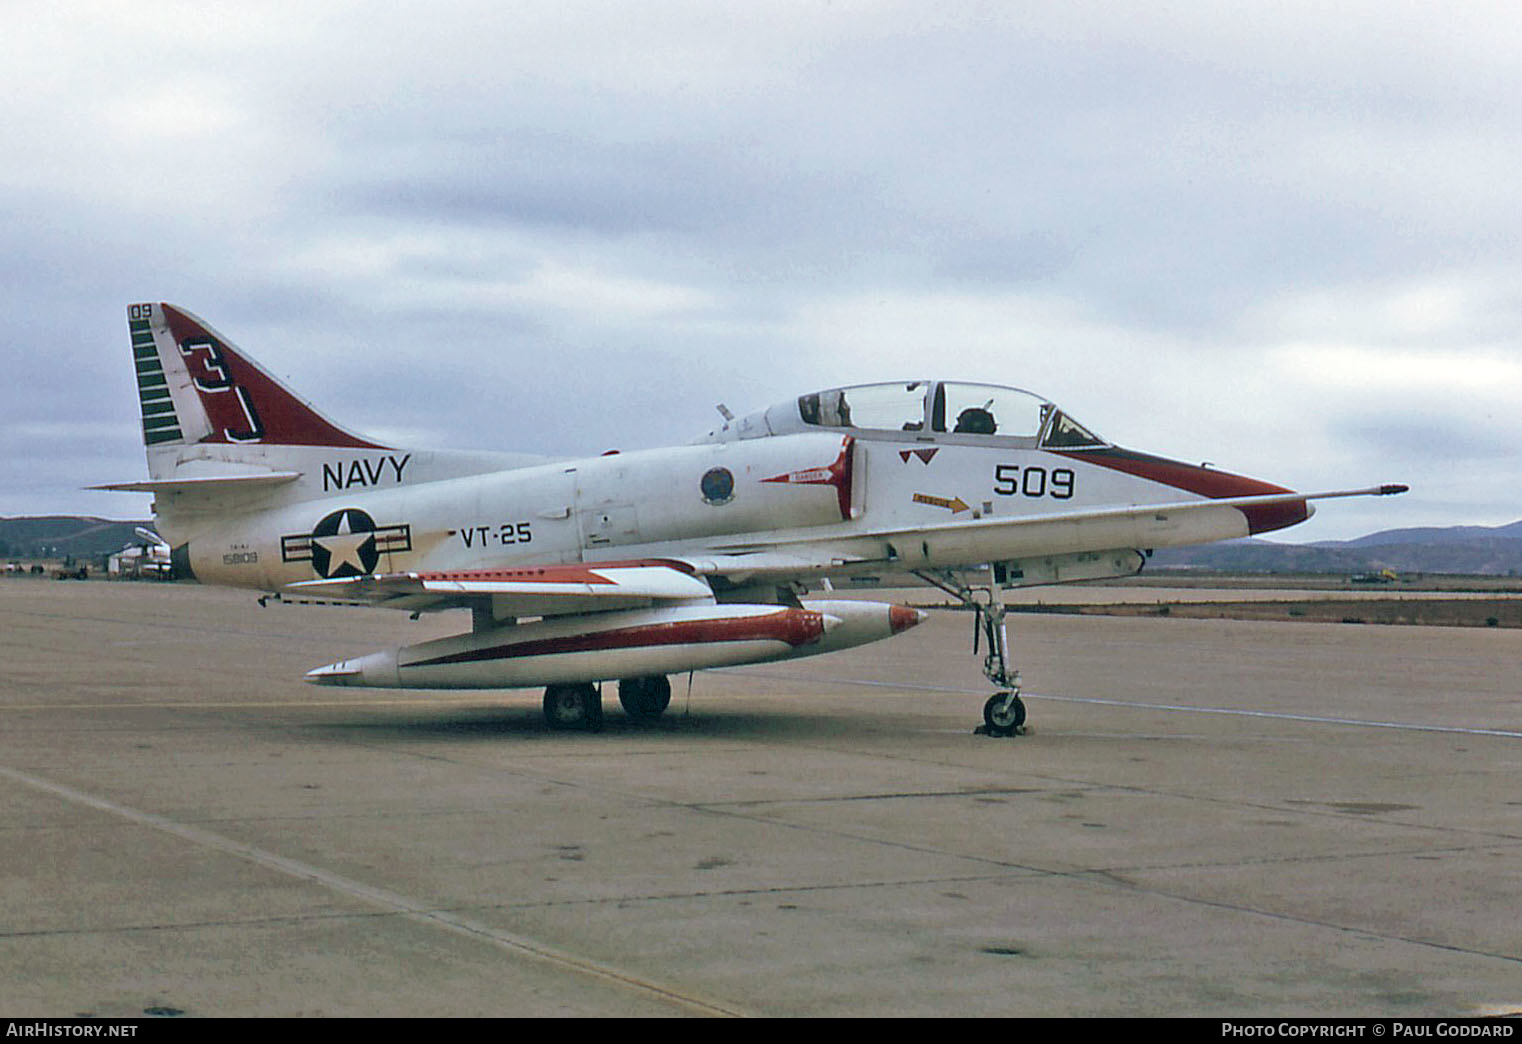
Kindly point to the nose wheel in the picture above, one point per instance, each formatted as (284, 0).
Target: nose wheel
(1004, 714)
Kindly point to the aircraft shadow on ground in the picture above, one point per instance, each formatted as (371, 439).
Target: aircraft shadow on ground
(497, 723)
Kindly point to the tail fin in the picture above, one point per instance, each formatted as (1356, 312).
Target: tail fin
(224, 438)
(195, 387)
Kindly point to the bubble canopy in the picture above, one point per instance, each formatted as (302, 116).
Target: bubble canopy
(921, 410)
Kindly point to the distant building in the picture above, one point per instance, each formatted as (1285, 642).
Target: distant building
(140, 562)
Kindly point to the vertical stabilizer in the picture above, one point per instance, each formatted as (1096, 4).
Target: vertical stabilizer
(226, 441)
(196, 387)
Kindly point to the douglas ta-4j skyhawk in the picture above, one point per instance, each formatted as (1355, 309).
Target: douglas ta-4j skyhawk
(634, 566)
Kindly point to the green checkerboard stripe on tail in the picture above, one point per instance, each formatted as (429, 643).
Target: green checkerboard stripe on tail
(160, 423)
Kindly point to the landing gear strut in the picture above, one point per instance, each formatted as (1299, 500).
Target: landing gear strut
(1004, 712)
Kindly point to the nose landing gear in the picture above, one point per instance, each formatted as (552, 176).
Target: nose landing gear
(1004, 712)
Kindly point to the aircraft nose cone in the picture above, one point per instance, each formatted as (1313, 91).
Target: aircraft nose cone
(1206, 481)
(901, 617)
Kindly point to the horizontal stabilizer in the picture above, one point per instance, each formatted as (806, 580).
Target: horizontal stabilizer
(204, 483)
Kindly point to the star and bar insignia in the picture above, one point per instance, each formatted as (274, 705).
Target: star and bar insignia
(346, 543)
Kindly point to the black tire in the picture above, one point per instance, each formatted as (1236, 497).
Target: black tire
(1000, 721)
(645, 698)
(577, 706)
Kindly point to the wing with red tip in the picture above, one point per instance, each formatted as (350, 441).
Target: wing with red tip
(548, 590)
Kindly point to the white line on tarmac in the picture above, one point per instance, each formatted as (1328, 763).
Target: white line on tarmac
(412, 908)
(1138, 705)
(1283, 716)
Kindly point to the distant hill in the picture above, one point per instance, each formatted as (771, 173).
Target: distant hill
(1473, 550)
(57, 536)
(1430, 535)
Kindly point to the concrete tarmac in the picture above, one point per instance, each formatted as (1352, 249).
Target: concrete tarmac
(1210, 818)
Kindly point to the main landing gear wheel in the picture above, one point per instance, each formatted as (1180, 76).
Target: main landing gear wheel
(577, 706)
(645, 698)
(1004, 714)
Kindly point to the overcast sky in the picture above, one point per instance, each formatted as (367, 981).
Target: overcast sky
(1281, 238)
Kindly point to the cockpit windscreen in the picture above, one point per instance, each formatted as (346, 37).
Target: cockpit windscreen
(946, 408)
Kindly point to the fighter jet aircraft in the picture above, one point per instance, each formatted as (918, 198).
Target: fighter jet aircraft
(630, 567)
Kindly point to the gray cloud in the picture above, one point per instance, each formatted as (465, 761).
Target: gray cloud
(566, 227)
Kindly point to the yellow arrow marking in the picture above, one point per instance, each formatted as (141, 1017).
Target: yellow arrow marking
(955, 505)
